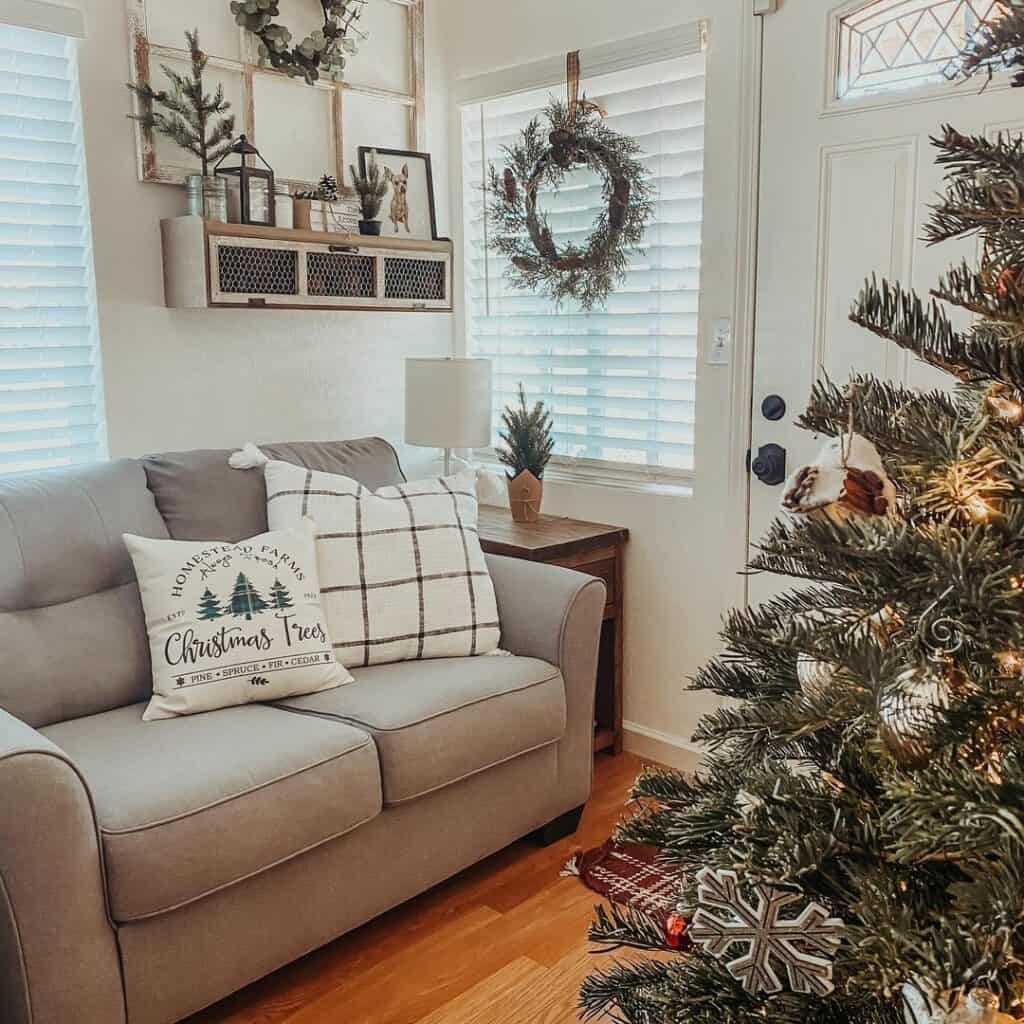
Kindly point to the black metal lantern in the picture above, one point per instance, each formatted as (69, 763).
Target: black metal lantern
(255, 184)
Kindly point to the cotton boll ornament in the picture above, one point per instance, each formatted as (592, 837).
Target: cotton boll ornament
(847, 479)
(921, 1005)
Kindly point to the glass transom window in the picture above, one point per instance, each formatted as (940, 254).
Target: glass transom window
(903, 44)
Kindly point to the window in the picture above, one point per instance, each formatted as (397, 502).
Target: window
(50, 393)
(620, 382)
(901, 44)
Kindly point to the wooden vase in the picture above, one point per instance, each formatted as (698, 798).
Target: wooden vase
(525, 493)
(303, 214)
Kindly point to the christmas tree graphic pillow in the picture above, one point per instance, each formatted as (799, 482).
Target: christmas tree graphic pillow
(233, 623)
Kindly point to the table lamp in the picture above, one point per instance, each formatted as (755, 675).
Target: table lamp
(448, 404)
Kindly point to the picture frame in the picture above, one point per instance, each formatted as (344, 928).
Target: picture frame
(413, 214)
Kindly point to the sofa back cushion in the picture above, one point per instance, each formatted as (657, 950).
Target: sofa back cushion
(202, 498)
(71, 625)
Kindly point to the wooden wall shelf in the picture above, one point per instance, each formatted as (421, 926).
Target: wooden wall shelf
(209, 265)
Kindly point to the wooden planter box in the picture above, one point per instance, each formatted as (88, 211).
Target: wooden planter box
(212, 265)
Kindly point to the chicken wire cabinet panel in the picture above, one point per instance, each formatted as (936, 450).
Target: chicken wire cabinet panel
(209, 264)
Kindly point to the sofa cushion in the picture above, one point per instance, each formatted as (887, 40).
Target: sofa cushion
(402, 574)
(435, 722)
(233, 624)
(202, 498)
(71, 625)
(190, 805)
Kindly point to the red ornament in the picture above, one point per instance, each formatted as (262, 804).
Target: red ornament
(675, 929)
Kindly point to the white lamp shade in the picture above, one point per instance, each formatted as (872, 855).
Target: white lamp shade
(448, 403)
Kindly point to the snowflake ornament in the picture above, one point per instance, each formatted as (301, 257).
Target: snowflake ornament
(726, 918)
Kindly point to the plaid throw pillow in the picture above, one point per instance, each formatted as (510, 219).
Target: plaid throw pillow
(402, 575)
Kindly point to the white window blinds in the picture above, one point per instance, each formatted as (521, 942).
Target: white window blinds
(620, 381)
(50, 390)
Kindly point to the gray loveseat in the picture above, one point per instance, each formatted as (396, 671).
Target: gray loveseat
(149, 869)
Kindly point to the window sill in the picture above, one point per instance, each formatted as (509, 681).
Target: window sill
(594, 474)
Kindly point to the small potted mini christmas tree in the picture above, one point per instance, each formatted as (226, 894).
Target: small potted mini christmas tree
(198, 122)
(528, 440)
(372, 187)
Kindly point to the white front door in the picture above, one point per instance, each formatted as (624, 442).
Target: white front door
(846, 173)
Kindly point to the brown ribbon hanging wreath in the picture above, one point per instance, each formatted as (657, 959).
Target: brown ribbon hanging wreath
(577, 137)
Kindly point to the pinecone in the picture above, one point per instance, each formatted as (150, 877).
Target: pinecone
(511, 187)
(570, 263)
(564, 157)
(327, 189)
(864, 492)
(548, 249)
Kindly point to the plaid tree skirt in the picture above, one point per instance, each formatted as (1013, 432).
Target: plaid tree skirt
(630, 875)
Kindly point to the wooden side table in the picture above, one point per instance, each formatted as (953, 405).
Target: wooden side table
(593, 548)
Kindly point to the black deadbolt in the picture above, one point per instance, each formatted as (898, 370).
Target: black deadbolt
(770, 465)
(773, 407)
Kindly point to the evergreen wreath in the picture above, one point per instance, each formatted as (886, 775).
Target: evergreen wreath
(577, 137)
(324, 50)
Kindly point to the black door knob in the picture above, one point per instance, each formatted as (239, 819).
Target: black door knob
(773, 407)
(770, 464)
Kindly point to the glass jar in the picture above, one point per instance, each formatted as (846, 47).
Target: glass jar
(284, 208)
(206, 197)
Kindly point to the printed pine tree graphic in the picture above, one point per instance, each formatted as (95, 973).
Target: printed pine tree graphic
(245, 598)
(209, 606)
(279, 596)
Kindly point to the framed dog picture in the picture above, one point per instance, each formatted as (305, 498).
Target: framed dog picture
(408, 210)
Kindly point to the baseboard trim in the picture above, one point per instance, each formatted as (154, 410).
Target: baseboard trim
(663, 747)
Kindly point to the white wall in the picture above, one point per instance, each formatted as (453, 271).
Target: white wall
(183, 378)
(685, 551)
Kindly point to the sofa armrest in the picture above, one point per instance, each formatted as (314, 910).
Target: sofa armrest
(555, 614)
(58, 952)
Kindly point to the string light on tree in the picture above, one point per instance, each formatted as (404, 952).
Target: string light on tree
(1010, 663)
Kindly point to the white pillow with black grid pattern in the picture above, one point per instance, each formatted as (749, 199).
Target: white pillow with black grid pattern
(402, 574)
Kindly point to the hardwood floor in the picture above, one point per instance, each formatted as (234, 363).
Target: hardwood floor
(504, 942)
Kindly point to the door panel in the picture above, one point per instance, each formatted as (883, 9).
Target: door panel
(843, 191)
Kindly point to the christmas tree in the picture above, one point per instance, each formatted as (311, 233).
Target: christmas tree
(209, 606)
(279, 596)
(196, 121)
(852, 849)
(245, 599)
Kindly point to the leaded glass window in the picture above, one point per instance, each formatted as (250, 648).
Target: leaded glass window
(903, 44)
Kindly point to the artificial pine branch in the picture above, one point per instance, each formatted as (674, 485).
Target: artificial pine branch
(615, 928)
(197, 122)
(527, 436)
(998, 44)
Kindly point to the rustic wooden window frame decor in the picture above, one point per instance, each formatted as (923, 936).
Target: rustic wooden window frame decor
(143, 55)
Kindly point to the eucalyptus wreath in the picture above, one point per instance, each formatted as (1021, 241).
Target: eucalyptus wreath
(589, 272)
(325, 50)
